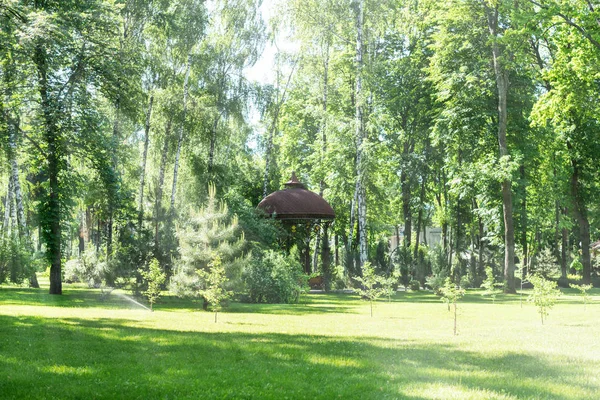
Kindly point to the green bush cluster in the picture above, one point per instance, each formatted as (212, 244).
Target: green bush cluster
(15, 261)
(414, 285)
(87, 268)
(274, 278)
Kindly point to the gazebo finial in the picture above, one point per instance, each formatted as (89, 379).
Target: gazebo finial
(294, 182)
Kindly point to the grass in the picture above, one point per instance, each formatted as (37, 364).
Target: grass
(77, 346)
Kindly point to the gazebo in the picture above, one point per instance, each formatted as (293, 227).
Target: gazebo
(301, 211)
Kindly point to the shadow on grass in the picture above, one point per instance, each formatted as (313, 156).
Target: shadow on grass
(71, 297)
(76, 358)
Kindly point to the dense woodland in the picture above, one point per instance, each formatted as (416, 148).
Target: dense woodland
(480, 117)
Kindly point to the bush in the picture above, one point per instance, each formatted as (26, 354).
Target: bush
(15, 261)
(435, 282)
(274, 278)
(86, 269)
(546, 265)
(414, 285)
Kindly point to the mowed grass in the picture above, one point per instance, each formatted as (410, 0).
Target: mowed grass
(78, 346)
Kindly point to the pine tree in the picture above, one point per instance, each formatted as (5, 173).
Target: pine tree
(208, 233)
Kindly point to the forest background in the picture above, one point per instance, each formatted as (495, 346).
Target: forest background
(479, 117)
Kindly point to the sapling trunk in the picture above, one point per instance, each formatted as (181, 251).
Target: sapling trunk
(455, 313)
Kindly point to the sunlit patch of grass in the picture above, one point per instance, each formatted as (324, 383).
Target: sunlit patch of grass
(328, 346)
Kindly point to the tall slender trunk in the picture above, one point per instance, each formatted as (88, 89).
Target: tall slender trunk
(213, 142)
(143, 166)
(160, 184)
(564, 245)
(524, 220)
(269, 150)
(502, 86)
(557, 244)
(406, 211)
(337, 248)
(360, 136)
(419, 223)
(81, 234)
(181, 133)
(51, 229)
(580, 212)
(8, 205)
(352, 218)
(323, 152)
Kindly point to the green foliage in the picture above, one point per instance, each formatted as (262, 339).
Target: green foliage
(272, 277)
(414, 285)
(435, 282)
(546, 265)
(576, 265)
(370, 282)
(214, 281)
(390, 284)
(16, 263)
(450, 295)
(490, 285)
(208, 233)
(583, 289)
(154, 278)
(544, 294)
(87, 268)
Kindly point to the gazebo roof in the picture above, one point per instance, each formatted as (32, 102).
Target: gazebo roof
(295, 202)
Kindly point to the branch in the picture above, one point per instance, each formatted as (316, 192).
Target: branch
(568, 21)
(34, 143)
(75, 75)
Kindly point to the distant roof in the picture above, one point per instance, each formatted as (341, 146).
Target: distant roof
(296, 202)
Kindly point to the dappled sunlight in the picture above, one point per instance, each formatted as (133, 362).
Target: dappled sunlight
(66, 370)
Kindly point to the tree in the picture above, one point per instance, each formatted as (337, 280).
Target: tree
(369, 282)
(208, 233)
(583, 289)
(70, 52)
(154, 278)
(490, 285)
(214, 284)
(544, 294)
(450, 295)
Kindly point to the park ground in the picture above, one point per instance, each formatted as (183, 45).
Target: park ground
(88, 345)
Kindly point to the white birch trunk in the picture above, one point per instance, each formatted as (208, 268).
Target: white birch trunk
(144, 159)
(181, 132)
(360, 137)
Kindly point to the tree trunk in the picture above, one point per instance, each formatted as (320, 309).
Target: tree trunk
(580, 212)
(81, 234)
(143, 166)
(406, 212)
(181, 133)
(8, 204)
(419, 268)
(213, 141)
(159, 186)
(337, 248)
(502, 85)
(52, 209)
(557, 243)
(360, 136)
(326, 258)
(323, 153)
(524, 222)
(564, 246)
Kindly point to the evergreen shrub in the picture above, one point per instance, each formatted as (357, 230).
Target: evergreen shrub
(272, 277)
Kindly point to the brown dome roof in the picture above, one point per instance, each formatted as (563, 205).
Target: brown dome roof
(295, 202)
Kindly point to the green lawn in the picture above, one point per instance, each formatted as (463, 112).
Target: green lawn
(77, 346)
